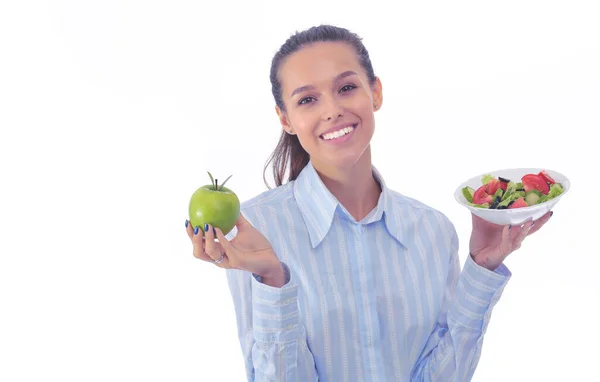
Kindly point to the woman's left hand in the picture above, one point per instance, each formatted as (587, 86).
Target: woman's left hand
(491, 243)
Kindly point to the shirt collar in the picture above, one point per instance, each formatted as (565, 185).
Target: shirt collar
(318, 206)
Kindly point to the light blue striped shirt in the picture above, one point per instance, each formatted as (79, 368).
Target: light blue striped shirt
(383, 299)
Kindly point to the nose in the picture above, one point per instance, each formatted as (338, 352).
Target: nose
(331, 109)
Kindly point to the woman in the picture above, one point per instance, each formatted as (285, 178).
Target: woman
(335, 277)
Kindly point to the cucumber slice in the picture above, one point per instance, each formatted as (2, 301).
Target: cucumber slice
(468, 193)
(533, 197)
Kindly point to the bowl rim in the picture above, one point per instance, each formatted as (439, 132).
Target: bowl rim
(565, 182)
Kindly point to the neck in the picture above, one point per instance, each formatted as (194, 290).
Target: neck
(354, 186)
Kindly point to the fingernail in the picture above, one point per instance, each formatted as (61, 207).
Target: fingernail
(214, 231)
(532, 224)
(551, 213)
(509, 227)
(205, 227)
(186, 223)
(196, 231)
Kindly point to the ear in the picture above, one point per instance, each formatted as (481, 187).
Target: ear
(285, 123)
(377, 92)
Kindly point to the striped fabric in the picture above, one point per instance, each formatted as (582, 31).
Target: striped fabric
(383, 299)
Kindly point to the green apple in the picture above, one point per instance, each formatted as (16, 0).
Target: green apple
(216, 205)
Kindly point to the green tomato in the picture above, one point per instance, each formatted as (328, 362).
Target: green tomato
(215, 205)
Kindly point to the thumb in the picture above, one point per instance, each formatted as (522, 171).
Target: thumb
(506, 241)
(242, 223)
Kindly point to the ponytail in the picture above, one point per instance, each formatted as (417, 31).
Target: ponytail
(289, 157)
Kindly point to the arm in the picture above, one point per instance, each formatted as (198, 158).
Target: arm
(454, 347)
(272, 338)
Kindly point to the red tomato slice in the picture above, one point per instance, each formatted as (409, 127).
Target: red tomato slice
(481, 197)
(494, 185)
(547, 177)
(535, 182)
(519, 203)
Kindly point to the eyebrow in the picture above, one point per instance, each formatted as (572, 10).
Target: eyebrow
(310, 87)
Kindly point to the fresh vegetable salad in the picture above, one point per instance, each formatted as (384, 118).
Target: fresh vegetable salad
(501, 193)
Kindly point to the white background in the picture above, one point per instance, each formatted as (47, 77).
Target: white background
(111, 112)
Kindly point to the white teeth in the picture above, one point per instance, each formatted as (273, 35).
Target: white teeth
(339, 133)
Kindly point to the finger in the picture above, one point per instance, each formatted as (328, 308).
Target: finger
(227, 247)
(522, 233)
(506, 241)
(189, 229)
(540, 223)
(241, 222)
(198, 242)
(231, 260)
(225, 263)
(215, 250)
(212, 248)
(226, 244)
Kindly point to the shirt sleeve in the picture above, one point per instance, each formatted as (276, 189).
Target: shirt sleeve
(453, 349)
(272, 338)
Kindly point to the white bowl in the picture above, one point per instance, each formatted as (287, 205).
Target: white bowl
(515, 216)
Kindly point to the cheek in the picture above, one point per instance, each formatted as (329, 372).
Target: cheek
(361, 102)
(303, 122)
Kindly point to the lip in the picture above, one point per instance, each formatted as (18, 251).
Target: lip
(338, 127)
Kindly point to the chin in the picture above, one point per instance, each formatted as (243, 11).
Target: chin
(346, 159)
(345, 155)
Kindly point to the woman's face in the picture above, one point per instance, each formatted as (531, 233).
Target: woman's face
(329, 103)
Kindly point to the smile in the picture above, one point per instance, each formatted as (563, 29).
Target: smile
(339, 134)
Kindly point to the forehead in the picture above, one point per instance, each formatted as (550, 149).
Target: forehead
(317, 64)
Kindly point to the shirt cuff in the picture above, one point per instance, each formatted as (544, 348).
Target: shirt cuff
(275, 315)
(477, 292)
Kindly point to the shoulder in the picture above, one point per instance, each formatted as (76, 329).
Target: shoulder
(421, 212)
(268, 199)
(267, 202)
(426, 221)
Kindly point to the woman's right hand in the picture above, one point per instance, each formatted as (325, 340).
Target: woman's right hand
(249, 250)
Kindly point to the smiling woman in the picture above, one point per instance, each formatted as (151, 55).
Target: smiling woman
(346, 71)
(334, 276)
(327, 104)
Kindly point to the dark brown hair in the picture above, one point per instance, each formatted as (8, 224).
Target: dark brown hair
(289, 156)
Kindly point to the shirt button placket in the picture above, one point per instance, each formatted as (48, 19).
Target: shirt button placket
(369, 331)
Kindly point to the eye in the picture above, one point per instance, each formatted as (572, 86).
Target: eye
(305, 100)
(348, 87)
